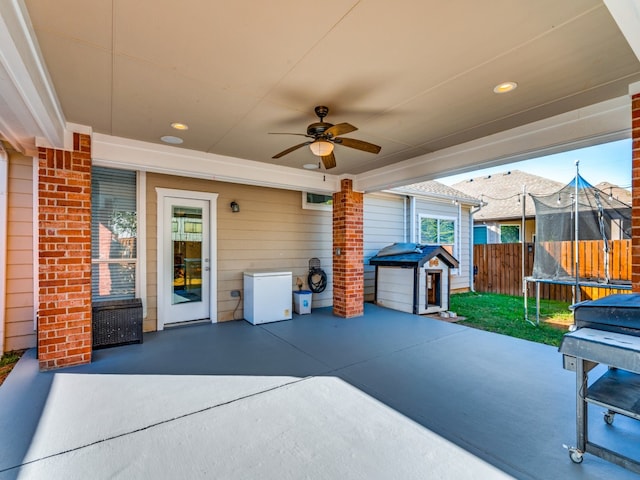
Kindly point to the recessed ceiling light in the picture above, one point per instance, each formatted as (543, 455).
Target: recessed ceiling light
(505, 87)
(180, 126)
(171, 139)
(311, 166)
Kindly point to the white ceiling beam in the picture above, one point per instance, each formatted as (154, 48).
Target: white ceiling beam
(600, 123)
(29, 108)
(626, 13)
(112, 151)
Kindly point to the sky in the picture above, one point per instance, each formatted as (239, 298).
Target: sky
(608, 162)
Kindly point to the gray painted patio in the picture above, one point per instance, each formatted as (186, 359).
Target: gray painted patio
(386, 395)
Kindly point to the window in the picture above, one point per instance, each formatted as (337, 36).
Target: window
(114, 228)
(440, 231)
(317, 201)
(437, 231)
(509, 233)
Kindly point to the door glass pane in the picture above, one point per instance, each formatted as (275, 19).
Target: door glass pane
(186, 240)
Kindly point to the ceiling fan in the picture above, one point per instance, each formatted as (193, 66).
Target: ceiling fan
(324, 135)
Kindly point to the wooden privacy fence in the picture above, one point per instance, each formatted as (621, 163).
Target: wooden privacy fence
(498, 267)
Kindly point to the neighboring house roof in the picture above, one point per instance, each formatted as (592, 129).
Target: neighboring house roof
(502, 192)
(621, 194)
(437, 190)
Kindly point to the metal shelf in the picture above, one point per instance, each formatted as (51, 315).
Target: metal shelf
(617, 390)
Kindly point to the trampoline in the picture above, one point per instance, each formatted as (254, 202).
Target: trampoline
(569, 222)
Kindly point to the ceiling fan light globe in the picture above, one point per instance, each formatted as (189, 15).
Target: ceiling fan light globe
(320, 148)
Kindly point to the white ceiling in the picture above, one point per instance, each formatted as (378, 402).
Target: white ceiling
(414, 76)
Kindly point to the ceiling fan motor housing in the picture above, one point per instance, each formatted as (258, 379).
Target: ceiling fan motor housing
(318, 128)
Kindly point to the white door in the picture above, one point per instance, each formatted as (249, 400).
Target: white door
(186, 266)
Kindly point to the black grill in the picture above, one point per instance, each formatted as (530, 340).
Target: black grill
(607, 332)
(618, 313)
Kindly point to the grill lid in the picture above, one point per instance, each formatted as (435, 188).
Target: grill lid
(614, 313)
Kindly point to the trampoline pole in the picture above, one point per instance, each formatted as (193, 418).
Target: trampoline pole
(526, 302)
(523, 237)
(537, 303)
(577, 260)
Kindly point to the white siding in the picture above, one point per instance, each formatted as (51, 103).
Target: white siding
(444, 208)
(387, 221)
(395, 288)
(493, 232)
(384, 224)
(462, 280)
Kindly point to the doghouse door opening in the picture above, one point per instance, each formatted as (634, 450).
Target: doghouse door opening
(434, 282)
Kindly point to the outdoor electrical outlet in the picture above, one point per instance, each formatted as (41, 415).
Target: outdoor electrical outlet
(235, 293)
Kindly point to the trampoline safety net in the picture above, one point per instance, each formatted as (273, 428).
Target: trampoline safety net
(601, 219)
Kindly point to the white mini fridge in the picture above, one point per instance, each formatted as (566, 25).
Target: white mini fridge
(267, 296)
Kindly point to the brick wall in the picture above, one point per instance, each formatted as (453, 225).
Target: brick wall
(635, 190)
(348, 239)
(64, 255)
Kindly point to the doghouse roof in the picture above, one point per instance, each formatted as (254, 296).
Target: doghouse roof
(411, 255)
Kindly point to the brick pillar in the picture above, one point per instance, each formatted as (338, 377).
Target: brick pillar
(635, 191)
(64, 255)
(348, 269)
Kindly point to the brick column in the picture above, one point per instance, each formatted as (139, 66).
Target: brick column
(64, 255)
(348, 269)
(635, 191)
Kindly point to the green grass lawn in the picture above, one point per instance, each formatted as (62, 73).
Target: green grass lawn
(505, 314)
(7, 362)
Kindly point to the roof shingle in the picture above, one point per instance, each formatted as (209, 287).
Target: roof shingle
(437, 189)
(502, 193)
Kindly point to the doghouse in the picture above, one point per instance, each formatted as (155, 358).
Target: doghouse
(413, 278)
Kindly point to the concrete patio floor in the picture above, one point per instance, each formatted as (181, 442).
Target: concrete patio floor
(387, 395)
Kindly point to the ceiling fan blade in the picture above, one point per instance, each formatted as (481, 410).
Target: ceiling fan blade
(286, 133)
(358, 144)
(291, 149)
(340, 129)
(329, 161)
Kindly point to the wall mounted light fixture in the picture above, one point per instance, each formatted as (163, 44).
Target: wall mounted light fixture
(235, 208)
